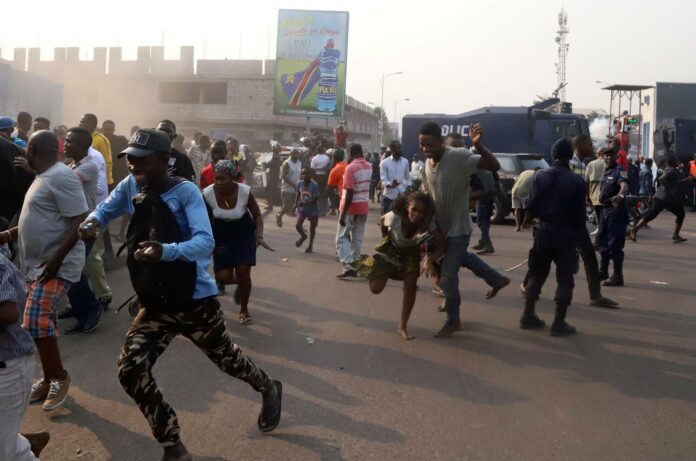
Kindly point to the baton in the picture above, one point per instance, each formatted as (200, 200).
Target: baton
(517, 266)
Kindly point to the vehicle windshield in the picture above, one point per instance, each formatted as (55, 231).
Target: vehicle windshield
(531, 163)
(507, 164)
(517, 164)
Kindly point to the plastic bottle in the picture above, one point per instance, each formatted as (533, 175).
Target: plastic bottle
(327, 88)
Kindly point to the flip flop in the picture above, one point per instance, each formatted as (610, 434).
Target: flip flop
(271, 411)
(245, 319)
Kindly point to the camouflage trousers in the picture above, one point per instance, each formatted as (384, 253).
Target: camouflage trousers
(147, 339)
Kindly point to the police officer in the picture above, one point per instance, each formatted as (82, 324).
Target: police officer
(614, 220)
(557, 199)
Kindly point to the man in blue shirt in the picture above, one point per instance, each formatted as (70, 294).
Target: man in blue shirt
(557, 199)
(614, 221)
(307, 208)
(203, 323)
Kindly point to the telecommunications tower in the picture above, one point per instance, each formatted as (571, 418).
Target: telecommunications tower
(562, 54)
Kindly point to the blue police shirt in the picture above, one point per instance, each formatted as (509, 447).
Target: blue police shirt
(611, 185)
(557, 195)
(186, 202)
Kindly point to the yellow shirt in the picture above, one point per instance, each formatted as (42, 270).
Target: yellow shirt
(594, 174)
(103, 145)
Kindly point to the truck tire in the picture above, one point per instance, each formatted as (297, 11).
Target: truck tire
(499, 211)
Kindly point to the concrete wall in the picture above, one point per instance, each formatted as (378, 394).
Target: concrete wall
(24, 91)
(128, 92)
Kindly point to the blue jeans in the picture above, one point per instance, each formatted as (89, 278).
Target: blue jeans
(82, 299)
(484, 210)
(386, 205)
(456, 256)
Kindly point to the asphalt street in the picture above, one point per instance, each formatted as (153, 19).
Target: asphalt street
(624, 388)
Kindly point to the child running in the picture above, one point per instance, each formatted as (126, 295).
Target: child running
(398, 255)
(307, 208)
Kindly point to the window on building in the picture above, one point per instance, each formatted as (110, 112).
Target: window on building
(179, 92)
(278, 135)
(214, 93)
(295, 137)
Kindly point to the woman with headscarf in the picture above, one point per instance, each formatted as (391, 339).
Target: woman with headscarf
(238, 230)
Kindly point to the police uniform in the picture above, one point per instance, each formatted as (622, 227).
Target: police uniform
(557, 200)
(613, 224)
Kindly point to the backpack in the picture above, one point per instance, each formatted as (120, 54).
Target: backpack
(161, 286)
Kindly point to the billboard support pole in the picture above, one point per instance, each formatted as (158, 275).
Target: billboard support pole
(307, 128)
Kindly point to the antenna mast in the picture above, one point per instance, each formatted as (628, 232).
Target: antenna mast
(562, 54)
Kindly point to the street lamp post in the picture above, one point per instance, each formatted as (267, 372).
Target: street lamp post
(378, 122)
(381, 106)
(396, 103)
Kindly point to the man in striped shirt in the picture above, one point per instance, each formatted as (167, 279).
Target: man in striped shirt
(16, 364)
(354, 209)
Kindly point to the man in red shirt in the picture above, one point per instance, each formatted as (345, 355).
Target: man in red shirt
(622, 156)
(217, 152)
(354, 208)
(341, 134)
(335, 182)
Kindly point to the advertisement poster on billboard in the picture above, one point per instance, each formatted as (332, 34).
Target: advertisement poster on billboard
(311, 63)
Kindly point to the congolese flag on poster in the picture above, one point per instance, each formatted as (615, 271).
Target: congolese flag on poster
(311, 63)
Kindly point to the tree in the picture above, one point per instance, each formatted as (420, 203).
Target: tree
(378, 110)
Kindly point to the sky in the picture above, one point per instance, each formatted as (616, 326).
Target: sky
(454, 55)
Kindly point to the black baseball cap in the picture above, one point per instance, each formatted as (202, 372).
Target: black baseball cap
(607, 151)
(146, 142)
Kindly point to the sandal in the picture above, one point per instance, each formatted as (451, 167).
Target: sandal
(245, 319)
(632, 234)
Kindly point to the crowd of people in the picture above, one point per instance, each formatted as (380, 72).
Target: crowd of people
(187, 205)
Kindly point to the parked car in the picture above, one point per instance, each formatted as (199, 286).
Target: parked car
(511, 166)
(260, 173)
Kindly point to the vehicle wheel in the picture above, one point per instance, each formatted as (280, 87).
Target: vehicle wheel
(498, 211)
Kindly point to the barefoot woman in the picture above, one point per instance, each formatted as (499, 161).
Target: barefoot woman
(238, 230)
(398, 255)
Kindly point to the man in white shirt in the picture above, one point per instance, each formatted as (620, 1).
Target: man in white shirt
(102, 187)
(94, 264)
(395, 176)
(321, 164)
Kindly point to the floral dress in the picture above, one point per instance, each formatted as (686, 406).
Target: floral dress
(397, 256)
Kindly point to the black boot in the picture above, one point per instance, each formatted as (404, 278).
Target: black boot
(604, 268)
(479, 245)
(487, 248)
(529, 320)
(560, 327)
(616, 280)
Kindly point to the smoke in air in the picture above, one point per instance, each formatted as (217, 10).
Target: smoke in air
(599, 128)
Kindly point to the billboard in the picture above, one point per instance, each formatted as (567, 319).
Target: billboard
(311, 63)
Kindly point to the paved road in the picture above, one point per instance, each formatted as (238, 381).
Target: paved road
(622, 389)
